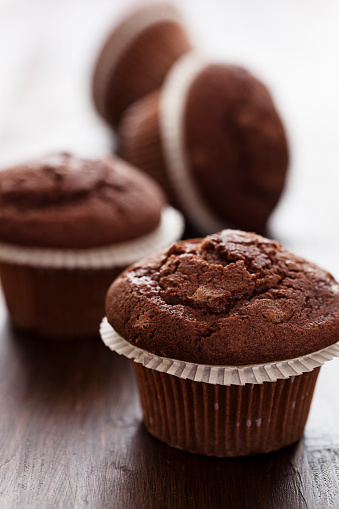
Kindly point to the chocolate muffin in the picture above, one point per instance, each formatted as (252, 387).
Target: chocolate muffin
(214, 140)
(68, 226)
(234, 298)
(228, 330)
(136, 57)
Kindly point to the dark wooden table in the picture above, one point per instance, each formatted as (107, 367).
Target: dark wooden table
(71, 433)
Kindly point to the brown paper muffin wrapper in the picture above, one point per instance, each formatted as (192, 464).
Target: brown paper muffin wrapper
(222, 421)
(61, 293)
(56, 303)
(141, 144)
(153, 138)
(223, 410)
(136, 58)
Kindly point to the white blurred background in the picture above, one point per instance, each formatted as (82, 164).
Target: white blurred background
(47, 52)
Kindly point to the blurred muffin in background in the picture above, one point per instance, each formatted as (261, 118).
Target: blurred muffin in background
(213, 139)
(68, 227)
(136, 57)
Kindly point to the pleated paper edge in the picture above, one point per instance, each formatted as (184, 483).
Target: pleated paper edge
(121, 254)
(171, 112)
(218, 375)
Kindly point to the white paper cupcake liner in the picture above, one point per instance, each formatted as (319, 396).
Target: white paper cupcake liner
(171, 120)
(129, 30)
(121, 254)
(218, 375)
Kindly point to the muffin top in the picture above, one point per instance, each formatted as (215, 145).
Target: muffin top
(233, 298)
(63, 201)
(236, 146)
(136, 57)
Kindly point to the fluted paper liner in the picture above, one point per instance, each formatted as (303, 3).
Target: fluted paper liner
(223, 411)
(225, 420)
(56, 303)
(60, 292)
(141, 143)
(153, 139)
(218, 375)
(145, 57)
(119, 254)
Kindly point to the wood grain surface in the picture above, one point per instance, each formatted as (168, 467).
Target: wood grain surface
(71, 433)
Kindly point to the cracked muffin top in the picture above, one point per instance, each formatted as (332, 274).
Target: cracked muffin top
(63, 201)
(233, 298)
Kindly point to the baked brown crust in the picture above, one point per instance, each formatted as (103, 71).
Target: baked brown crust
(142, 66)
(236, 146)
(66, 202)
(233, 298)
